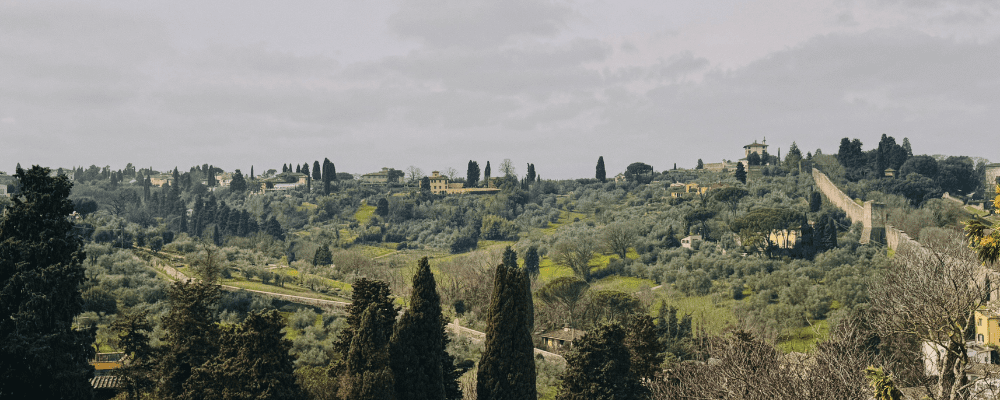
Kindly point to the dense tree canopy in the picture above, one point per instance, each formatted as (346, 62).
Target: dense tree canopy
(42, 355)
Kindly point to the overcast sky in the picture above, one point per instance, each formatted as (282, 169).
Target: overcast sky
(435, 83)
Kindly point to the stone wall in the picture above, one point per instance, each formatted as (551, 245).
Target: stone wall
(854, 210)
(872, 215)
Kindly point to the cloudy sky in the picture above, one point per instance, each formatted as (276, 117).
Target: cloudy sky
(435, 83)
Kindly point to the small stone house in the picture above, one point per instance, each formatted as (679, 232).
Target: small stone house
(687, 242)
(556, 339)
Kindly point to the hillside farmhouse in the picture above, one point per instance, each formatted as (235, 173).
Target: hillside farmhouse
(439, 185)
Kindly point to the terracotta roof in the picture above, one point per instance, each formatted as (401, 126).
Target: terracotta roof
(106, 382)
(564, 334)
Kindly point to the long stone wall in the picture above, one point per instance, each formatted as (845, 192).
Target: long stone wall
(871, 215)
(844, 202)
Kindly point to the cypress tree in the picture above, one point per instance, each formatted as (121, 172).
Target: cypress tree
(472, 174)
(701, 165)
(368, 374)
(366, 292)
(317, 174)
(253, 362)
(486, 175)
(305, 170)
(599, 368)
(192, 334)
(532, 261)
(644, 346)
(602, 174)
(417, 345)
(42, 356)
(216, 236)
(322, 256)
(741, 173)
(507, 366)
(815, 201)
(531, 173)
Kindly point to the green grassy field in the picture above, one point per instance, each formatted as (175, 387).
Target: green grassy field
(805, 339)
(706, 316)
(364, 213)
(622, 284)
(565, 217)
(287, 289)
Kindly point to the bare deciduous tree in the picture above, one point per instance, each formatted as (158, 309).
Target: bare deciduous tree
(576, 254)
(932, 293)
(618, 237)
(413, 174)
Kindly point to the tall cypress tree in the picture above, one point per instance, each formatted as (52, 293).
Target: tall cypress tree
(368, 372)
(192, 334)
(741, 173)
(42, 356)
(472, 174)
(507, 366)
(317, 174)
(486, 175)
(417, 345)
(532, 261)
(602, 174)
(366, 292)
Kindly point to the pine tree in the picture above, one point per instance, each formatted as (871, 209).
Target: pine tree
(417, 345)
(602, 174)
(191, 334)
(42, 356)
(507, 366)
(253, 362)
(599, 368)
(741, 173)
(472, 174)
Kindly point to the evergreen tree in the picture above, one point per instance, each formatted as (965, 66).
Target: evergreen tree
(132, 329)
(253, 362)
(191, 334)
(701, 165)
(305, 170)
(382, 207)
(486, 175)
(644, 346)
(252, 176)
(238, 184)
(322, 256)
(317, 174)
(417, 345)
(907, 148)
(532, 261)
(741, 173)
(472, 174)
(146, 184)
(273, 228)
(42, 356)
(599, 368)
(366, 292)
(298, 169)
(368, 372)
(602, 174)
(531, 173)
(507, 366)
(216, 236)
(793, 158)
(328, 175)
(815, 201)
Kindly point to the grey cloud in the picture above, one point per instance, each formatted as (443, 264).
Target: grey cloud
(477, 23)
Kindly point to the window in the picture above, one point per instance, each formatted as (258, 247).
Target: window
(980, 337)
(979, 322)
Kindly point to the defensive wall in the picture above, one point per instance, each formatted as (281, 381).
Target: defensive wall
(872, 215)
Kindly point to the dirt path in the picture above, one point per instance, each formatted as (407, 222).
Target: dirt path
(341, 306)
